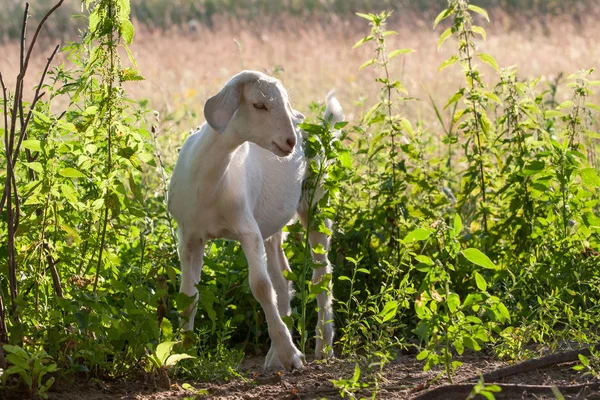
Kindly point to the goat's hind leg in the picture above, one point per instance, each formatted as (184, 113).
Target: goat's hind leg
(325, 329)
(191, 253)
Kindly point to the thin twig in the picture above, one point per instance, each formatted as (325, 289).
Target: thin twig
(23, 36)
(5, 191)
(37, 32)
(36, 98)
(3, 330)
(164, 181)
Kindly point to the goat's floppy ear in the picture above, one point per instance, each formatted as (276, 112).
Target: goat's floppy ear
(220, 108)
(298, 116)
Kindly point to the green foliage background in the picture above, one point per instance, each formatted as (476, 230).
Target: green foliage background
(493, 245)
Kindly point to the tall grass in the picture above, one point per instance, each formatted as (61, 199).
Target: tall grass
(166, 14)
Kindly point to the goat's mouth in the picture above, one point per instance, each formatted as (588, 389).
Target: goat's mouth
(280, 151)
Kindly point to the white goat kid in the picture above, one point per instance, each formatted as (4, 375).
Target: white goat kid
(240, 178)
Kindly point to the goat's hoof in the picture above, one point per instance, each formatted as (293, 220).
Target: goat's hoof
(291, 360)
(272, 360)
(294, 362)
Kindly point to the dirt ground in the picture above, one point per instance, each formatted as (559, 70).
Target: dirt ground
(403, 379)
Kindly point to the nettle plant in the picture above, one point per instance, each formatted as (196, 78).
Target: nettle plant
(85, 245)
(328, 164)
(477, 255)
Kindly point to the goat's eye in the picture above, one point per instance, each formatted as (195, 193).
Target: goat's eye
(260, 106)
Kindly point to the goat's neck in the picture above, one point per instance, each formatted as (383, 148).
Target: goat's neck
(218, 153)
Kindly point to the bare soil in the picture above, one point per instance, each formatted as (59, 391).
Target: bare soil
(403, 378)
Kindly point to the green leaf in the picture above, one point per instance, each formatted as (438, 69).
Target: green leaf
(320, 286)
(424, 259)
(363, 41)
(565, 104)
(93, 21)
(453, 302)
(504, 312)
(319, 249)
(534, 167)
(163, 351)
(590, 177)
(480, 281)
(471, 343)
(365, 65)
(492, 97)
(18, 360)
(553, 114)
(183, 301)
(407, 126)
(444, 36)
(455, 97)
(47, 385)
(396, 53)
(479, 30)
(290, 276)
(478, 258)
(422, 355)
(442, 16)
(389, 311)
(36, 166)
(451, 61)
(130, 74)
(417, 235)
(33, 145)
(356, 376)
(368, 17)
(479, 10)
(71, 173)
(592, 106)
(457, 225)
(207, 299)
(488, 59)
(346, 159)
(16, 370)
(175, 358)
(127, 31)
(9, 348)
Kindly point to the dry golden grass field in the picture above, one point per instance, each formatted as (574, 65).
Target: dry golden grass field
(182, 69)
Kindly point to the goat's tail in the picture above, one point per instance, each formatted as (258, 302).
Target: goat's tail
(333, 109)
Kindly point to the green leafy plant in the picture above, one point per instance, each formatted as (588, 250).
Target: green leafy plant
(350, 386)
(163, 357)
(589, 365)
(485, 390)
(32, 368)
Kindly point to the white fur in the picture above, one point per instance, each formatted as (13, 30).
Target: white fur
(240, 178)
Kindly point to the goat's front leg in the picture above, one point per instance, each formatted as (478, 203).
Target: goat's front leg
(191, 253)
(262, 289)
(325, 329)
(277, 263)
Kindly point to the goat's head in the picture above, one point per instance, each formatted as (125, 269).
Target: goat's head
(255, 106)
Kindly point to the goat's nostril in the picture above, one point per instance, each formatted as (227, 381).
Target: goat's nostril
(291, 143)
